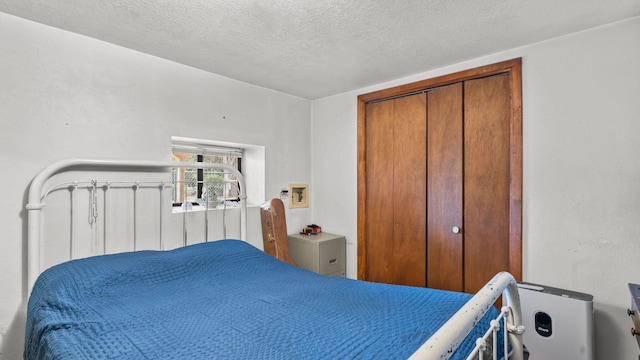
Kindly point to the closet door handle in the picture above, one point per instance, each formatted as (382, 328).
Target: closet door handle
(456, 230)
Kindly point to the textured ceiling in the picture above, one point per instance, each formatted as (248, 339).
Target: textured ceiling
(316, 48)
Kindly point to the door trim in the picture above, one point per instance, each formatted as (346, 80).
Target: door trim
(513, 68)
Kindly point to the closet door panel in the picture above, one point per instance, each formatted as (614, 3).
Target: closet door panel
(409, 190)
(379, 195)
(486, 179)
(444, 188)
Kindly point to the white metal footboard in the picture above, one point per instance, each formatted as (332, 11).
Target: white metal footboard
(444, 342)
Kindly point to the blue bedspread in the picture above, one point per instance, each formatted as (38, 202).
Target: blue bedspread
(224, 300)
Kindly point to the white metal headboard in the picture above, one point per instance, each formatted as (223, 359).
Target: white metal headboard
(35, 202)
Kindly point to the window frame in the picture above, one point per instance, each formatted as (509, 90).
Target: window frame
(201, 149)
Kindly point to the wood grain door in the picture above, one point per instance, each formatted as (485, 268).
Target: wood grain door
(444, 188)
(468, 225)
(468, 183)
(486, 179)
(396, 183)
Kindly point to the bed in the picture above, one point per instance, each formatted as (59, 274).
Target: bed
(227, 299)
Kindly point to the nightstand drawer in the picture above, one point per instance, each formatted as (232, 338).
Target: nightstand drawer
(331, 256)
(339, 273)
(323, 253)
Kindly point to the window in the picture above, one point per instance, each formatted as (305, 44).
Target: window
(204, 187)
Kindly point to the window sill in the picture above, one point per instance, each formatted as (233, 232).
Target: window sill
(192, 208)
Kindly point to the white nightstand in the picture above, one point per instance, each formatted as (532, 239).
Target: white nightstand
(323, 253)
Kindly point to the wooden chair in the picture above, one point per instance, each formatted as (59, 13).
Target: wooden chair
(274, 230)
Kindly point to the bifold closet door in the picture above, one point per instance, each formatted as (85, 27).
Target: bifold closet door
(461, 223)
(396, 191)
(444, 188)
(487, 121)
(468, 183)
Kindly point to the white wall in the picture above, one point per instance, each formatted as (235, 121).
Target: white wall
(64, 95)
(581, 168)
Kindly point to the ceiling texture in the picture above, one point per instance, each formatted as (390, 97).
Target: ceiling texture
(317, 48)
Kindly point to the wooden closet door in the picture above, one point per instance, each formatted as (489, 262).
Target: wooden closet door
(409, 191)
(379, 199)
(468, 183)
(474, 180)
(444, 188)
(487, 171)
(396, 191)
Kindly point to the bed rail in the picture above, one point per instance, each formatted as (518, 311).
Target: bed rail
(443, 343)
(35, 202)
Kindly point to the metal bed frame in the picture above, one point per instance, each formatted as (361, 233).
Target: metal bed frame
(440, 346)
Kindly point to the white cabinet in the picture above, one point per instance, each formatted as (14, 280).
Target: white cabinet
(323, 253)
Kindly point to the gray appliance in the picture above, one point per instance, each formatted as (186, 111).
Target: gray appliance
(558, 323)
